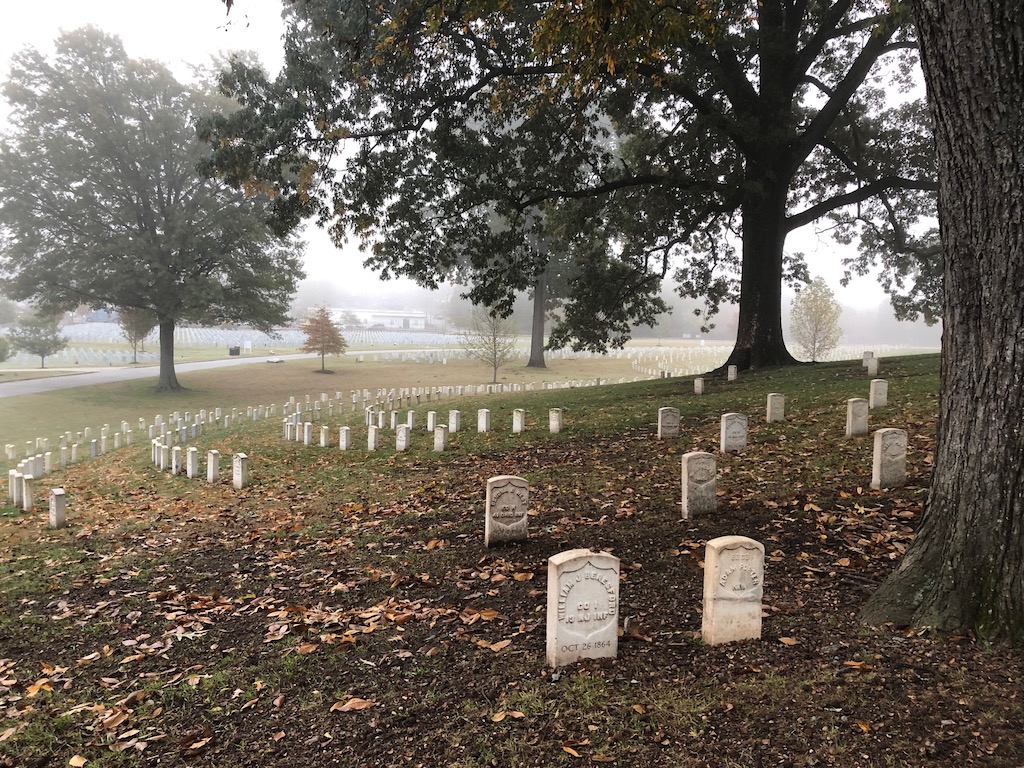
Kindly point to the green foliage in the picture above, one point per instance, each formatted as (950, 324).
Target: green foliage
(135, 326)
(323, 336)
(814, 321)
(451, 139)
(101, 203)
(5, 348)
(38, 335)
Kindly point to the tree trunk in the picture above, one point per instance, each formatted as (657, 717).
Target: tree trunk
(965, 567)
(540, 300)
(168, 380)
(759, 341)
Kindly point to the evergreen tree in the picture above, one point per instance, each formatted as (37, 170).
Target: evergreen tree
(38, 335)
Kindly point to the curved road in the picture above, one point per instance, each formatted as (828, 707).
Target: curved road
(92, 376)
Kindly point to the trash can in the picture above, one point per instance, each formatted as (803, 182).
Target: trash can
(234, 351)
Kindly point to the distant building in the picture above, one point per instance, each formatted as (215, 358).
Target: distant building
(390, 319)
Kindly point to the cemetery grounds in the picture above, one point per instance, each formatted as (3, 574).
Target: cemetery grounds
(342, 609)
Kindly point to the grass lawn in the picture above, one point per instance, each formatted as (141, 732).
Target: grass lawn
(342, 610)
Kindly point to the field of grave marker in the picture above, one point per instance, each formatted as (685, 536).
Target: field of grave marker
(342, 608)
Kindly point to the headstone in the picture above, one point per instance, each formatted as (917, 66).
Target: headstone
(873, 366)
(454, 421)
(14, 486)
(431, 420)
(371, 437)
(307, 433)
(93, 448)
(344, 438)
(440, 438)
(583, 606)
(856, 416)
(192, 463)
(48, 462)
(240, 471)
(483, 420)
(732, 373)
(555, 420)
(212, 466)
(27, 488)
(506, 517)
(776, 410)
(699, 484)
(668, 423)
(58, 518)
(733, 432)
(176, 460)
(410, 419)
(402, 433)
(518, 421)
(733, 587)
(74, 452)
(165, 457)
(698, 386)
(878, 394)
(325, 436)
(867, 356)
(889, 462)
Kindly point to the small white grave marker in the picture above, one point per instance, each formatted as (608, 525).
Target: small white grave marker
(58, 517)
(889, 462)
(733, 435)
(699, 484)
(454, 421)
(371, 437)
(192, 463)
(440, 438)
(856, 416)
(240, 471)
(555, 420)
(668, 423)
(776, 409)
(583, 606)
(212, 466)
(506, 516)
(878, 394)
(698, 386)
(732, 373)
(518, 421)
(402, 437)
(733, 587)
(27, 486)
(483, 420)
(344, 438)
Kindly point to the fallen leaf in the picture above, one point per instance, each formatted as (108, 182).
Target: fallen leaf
(305, 648)
(77, 761)
(523, 576)
(278, 736)
(497, 717)
(571, 751)
(488, 614)
(788, 640)
(843, 562)
(353, 705)
(499, 645)
(639, 709)
(8, 733)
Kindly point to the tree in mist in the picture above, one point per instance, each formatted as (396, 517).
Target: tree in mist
(695, 137)
(135, 326)
(323, 336)
(101, 203)
(5, 348)
(491, 339)
(38, 335)
(814, 320)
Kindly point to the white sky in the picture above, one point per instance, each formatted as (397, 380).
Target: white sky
(190, 32)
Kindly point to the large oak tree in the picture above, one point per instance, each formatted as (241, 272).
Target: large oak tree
(101, 202)
(965, 568)
(666, 128)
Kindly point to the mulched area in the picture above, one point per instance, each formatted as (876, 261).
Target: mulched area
(289, 626)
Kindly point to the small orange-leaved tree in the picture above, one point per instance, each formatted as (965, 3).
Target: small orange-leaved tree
(323, 336)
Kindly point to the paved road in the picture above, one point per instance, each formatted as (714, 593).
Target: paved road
(91, 376)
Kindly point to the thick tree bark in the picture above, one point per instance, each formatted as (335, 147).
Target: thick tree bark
(540, 301)
(965, 569)
(168, 379)
(759, 341)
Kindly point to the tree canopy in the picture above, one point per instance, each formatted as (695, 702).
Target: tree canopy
(101, 202)
(323, 336)
(634, 138)
(814, 320)
(38, 335)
